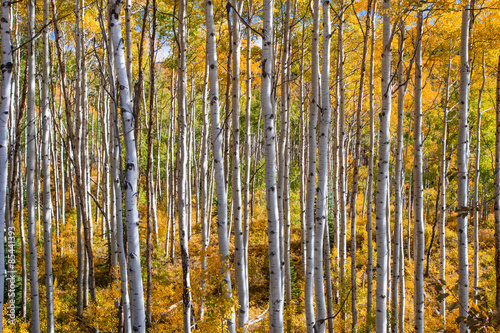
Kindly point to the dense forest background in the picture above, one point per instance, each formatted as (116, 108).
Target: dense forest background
(260, 166)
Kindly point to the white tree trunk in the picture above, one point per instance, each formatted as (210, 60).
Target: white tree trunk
(399, 180)
(311, 177)
(463, 172)
(218, 158)
(342, 171)
(442, 184)
(275, 288)
(132, 170)
(182, 164)
(5, 107)
(383, 175)
(47, 197)
(369, 192)
(322, 188)
(30, 170)
(497, 195)
(418, 189)
(355, 185)
(476, 186)
(240, 260)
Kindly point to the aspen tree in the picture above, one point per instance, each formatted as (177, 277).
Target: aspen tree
(418, 188)
(149, 171)
(357, 157)
(369, 192)
(30, 172)
(217, 156)
(204, 217)
(383, 174)
(240, 261)
(476, 186)
(248, 139)
(47, 197)
(311, 178)
(132, 169)
(399, 183)
(322, 188)
(5, 107)
(443, 185)
(182, 159)
(497, 195)
(463, 172)
(269, 114)
(342, 154)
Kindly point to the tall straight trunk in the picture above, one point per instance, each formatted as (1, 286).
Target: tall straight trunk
(248, 147)
(30, 170)
(476, 187)
(322, 188)
(369, 192)
(204, 217)
(399, 183)
(443, 185)
(497, 196)
(132, 171)
(268, 111)
(418, 188)
(240, 261)
(383, 174)
(355, 185)
(5, 107)
(342, 155)
(217, 155)
(284, 229)
(149, 171)
(463, 172)
(47, 197)
(182, 160)
(311, 178)
(302, 157)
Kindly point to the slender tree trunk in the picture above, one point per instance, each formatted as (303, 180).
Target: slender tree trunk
(399, 183)
(383, 174)
(217, 156)
(497, 196)
(248, 147)
(47, 197)
(443, 185)
(355, 185)
(132, 168)
(369, 193)
(463, 172)
(342, 154)
(5, 107)
(418, 189)
(240, 261)
(149, 171)
(322, 188)
(268, 111)
(311, 182)
(30, 170)
(205, 236)
(476, 187)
